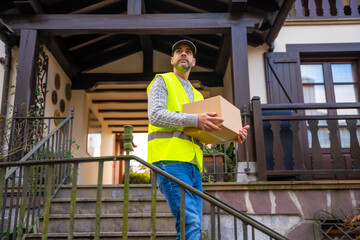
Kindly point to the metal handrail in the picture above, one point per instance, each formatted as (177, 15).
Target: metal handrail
(40, 144)
(216, 202)
(26, 185)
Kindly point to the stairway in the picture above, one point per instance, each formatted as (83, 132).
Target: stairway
(111, 214)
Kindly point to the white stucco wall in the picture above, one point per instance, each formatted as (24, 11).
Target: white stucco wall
(50, 108)
(316, 34)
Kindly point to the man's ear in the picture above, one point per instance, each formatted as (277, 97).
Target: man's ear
(194, 62)
(172, 61)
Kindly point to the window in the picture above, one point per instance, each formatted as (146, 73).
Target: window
(330, 82)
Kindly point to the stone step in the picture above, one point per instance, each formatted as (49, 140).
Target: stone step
(108, 191)
(107, 236)
(137, 222)
(109, 205)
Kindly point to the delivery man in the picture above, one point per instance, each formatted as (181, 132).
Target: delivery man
(168, 147)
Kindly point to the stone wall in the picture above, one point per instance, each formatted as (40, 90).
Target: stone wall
(287, 207)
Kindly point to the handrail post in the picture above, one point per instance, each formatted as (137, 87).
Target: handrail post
(259, 139)
(2, 193)
(153, 206)
(128, 130)
(73, 201)
(98, 200)
(182, 213)
(49, 185)
(25, 184)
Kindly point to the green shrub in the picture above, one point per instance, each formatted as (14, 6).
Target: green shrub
(139, 178)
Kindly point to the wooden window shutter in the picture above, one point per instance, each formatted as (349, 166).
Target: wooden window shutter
(283, 79)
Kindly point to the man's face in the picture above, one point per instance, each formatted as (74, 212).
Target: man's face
(183, 58)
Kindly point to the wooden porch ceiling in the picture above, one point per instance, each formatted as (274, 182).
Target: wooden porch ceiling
(87, 34)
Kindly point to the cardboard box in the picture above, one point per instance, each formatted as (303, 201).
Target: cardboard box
(229, 128)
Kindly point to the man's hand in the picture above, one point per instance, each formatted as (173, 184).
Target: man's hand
(243, 134)
(207, 121)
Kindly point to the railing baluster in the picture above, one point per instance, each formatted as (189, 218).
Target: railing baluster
(18, 196)
(24, 192)
(182, 213)
(13, 177)
(312, 8)
(212, 221)
(335, 148)
(218, 223)
(354, 6)
(73, 200)
(326, 8)
(278, 152)
(245, 231)
(31, 195)
(2, 196)
(126, 199)
(98, 200)
(354, 143)
(153, 206)
(235, 229)
(315, 148)
(299, 11)
(47, 199)
(340, 8)
(296, 147)
(252, 233)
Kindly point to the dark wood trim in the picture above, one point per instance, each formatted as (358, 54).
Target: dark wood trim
(89, 80)
(134, 7)
(297, 106)
(118, 101)
(237, 6)
(62, 24)
(122, 110)
(240, 78)
(224, 56)
(240, 67)
(54, 44)
(279, 21)
(26, 70)
(147, 48)
(351, 48)
(135, 125)
(259, 143)
(58, 49)
(125, 118)
(29, 6)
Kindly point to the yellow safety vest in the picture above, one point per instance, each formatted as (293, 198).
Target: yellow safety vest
(171, 144)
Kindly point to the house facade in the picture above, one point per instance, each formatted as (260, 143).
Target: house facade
(292, 67)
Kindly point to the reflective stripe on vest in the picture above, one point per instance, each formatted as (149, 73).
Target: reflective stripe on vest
(176, 133)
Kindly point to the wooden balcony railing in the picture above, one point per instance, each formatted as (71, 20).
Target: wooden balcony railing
(288, 146)
(306, 9)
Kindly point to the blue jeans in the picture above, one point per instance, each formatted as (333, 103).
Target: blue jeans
(189, 174)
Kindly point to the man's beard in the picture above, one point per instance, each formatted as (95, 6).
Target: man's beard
(184, 67)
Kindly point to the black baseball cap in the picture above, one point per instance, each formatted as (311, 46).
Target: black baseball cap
(184, 41)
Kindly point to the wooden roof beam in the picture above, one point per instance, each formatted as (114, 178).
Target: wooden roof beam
(54, 44)
(137, 7)
(163, 24)
(237, 6)
(89, 80)
(96, 6)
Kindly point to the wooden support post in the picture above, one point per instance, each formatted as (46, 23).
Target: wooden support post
(259, 140)
(27, 68)
(240, 77)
